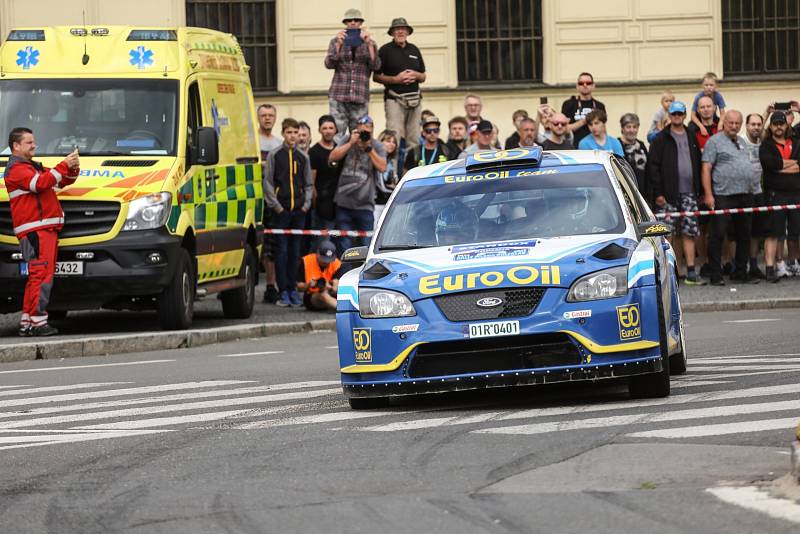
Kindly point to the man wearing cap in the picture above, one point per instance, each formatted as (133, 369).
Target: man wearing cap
(352, 55)
(483, 141)
(673, 173)
(401, 71)
(779, 155)
(433, 150)
(318, 277)
(364, 157)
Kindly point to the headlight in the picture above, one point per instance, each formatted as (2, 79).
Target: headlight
(378, 303)
(600, 285)
(148, 212)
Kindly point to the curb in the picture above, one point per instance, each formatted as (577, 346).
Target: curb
(103, 346)
(734, 305)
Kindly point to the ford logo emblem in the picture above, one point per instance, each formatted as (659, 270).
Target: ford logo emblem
(489, 302)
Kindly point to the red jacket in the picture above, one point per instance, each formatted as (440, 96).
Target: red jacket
(34, 205)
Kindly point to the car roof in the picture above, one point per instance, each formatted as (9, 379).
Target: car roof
(549, 159)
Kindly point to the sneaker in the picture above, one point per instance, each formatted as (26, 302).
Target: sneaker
(727, 269)
(781, 271)
(24, 331)
(693, 280)
(755, 272)
(771, 275)
(717, 281)
(746, 279)
(294, 298)
(284, 301)
(705, 270)
(43, 331)
(271, 295)
(794, 268)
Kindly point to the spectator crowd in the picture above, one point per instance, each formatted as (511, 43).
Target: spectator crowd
(703, 156)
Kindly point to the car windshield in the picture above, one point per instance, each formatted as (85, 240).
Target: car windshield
(99, 116)
(492, 206)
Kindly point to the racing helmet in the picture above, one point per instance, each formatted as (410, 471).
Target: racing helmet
(571, 203)
(456, 224)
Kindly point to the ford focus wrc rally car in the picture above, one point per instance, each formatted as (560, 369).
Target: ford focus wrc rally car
(511, 267)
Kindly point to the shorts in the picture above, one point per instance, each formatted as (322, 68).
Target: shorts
(688, 224)
(761, 220)
(782, 220)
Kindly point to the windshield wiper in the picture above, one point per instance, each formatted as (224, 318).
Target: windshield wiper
(403, 247)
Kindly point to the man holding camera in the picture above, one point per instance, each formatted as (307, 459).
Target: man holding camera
(352, 55)
(318, 276)
(364, 157)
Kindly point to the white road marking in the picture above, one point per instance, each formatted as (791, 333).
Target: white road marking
(332, 347)
(777, 367)
(46, 389)
(311, 419)
(163, 421)
(686, 384)
(754, 499)
(242, 355)
(150, 410)
(736, 375)
(719, 429)
(742, 321)
(433, 423)
(17, 386)
(77, 437)
(65, 367)
(619, 420)
(121, 392)
(766, 356)
(737, 361)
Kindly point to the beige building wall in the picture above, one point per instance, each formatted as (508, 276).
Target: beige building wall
(634, 48)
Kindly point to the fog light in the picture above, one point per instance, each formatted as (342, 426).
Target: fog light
(154, 258)
(84, 255)
(17, 256)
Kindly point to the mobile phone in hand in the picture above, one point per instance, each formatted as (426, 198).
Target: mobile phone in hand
(542, 100)
(353, 38)
(783, 106)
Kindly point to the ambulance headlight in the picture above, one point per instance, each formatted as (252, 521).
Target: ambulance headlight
(600, 285)
(148, 212)
(380, 303)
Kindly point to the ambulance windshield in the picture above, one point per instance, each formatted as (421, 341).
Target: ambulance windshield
(492, 206)
(100, 116)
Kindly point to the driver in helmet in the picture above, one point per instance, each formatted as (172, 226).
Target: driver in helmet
(456, 224)
(570, 207)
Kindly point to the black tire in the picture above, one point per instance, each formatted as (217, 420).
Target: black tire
(654, 385)
(57, 315)
(238, 303)
(677, 362)
(368, 403)
(176, 302)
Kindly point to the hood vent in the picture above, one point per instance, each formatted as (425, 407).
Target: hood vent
(375, 272)
(611, 251)
(129, 163)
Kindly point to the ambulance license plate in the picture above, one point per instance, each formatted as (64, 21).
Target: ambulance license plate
(494, 329)
(69, 268)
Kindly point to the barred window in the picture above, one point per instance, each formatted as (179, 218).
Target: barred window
(760, 36)
(499, 41)
(253, 24)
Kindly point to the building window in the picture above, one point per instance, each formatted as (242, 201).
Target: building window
(253, 24)
(760, 36)
(499, 41)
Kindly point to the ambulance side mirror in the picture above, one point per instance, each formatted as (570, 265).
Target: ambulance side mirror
(206, 152)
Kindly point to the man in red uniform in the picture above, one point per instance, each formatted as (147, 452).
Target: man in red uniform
(37, 218)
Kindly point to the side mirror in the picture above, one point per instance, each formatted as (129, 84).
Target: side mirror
(206, 152)
(654, 229)
(355, 255)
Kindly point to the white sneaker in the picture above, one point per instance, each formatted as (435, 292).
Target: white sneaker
(794, 268)
(781, 271)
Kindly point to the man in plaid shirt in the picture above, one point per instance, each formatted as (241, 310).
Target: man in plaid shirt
(353, 55)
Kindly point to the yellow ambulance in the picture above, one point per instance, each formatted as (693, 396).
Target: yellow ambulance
(168, 205)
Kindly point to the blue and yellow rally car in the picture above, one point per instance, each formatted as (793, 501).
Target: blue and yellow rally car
(511, 267)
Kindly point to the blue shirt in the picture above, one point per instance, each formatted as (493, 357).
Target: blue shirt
(612, 145)
(717, 98)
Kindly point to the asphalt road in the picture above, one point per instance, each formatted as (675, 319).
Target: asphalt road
(255, 436)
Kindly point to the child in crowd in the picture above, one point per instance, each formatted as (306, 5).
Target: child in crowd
(710, 90)
(598, 139)
(661, 117)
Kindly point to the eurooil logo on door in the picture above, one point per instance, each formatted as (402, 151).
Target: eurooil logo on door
(629, 320)
(362, 342)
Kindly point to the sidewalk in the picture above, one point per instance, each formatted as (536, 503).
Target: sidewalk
(98, 333)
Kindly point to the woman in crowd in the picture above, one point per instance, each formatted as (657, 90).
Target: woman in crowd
(635, 151)
(387, 180)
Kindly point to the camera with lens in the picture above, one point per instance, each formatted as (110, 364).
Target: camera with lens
(320, 283)
(364, 135)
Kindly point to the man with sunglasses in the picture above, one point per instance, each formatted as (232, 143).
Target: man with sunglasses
(433, 150)
(353, 56)
(579, 106)
(558, 134)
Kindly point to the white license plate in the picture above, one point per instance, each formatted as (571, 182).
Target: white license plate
(69, 268)
(494, 329)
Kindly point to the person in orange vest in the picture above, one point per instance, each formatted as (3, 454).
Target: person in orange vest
(318, 277)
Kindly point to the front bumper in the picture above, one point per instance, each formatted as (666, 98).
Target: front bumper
(557, 343)
(117, 273)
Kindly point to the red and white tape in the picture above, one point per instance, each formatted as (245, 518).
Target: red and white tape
(334, 233)
(728, 211)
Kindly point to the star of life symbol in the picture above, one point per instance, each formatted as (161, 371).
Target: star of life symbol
(141, 57)
(27, 57)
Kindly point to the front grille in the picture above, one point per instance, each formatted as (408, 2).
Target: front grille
(81, 218)
(464, 307)
(471, 356)
(129, 163)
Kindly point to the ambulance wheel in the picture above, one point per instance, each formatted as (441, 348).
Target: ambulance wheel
(238, 303)
(176, 302)
(654, 385)
(367, 403)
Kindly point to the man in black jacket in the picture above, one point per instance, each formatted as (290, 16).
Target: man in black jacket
(433, 150)
(779, 154)
(673, 171)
